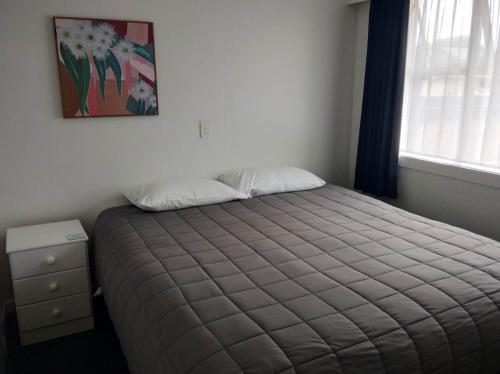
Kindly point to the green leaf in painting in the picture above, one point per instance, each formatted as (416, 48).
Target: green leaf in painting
(114, 64)
(83, 68)
(141, 107)
(69, 61)
(151, 110)
(143, 52)
(132, 105)
(100, 66)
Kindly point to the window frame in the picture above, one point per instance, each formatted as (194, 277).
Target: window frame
(451, 169)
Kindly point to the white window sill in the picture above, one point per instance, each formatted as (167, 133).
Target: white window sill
(487, 177)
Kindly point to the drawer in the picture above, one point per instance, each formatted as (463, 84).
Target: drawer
(50, 286)
(54, 311)
(48, 260)
(56, 331)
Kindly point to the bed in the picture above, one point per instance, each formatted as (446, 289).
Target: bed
(319, 281)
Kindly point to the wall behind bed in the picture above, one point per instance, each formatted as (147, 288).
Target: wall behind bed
(273, 77)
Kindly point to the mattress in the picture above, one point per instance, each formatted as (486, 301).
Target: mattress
(320, 281)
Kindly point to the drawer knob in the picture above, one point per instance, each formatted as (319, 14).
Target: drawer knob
(53, 286)
(50, 260)
(57, 312)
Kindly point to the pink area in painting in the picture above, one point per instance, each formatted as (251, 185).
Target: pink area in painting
(128, 76)
(144, 68)
(92, 97)
(137, 32)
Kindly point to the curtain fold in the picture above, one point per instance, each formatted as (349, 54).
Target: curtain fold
(379, 136)
(452, 95)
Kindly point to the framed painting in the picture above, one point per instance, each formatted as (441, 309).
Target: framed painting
(106, 67)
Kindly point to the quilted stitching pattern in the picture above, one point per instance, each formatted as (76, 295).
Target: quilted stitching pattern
(316, 281)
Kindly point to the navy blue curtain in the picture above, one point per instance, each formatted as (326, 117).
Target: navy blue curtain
(378, 145)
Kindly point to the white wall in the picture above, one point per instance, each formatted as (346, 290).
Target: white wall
(464, 204)
(274, 78)
(362, 15)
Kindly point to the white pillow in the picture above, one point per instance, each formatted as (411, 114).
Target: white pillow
(169, 195)
(263, 181)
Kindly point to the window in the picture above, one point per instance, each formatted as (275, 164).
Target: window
(451, 107)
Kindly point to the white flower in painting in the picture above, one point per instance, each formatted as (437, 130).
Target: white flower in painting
(78, 47)
(82, 26)
(100, 51)
(108, 30)
(141, 90)
(102, 39)
(80, 38)
(101, 45)
(65, 34)
(152, 101)
(124, 49)
(90, 36)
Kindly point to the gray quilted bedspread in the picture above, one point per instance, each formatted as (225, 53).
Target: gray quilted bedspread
(321, 281)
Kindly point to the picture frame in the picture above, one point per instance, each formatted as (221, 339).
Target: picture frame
(106, 67)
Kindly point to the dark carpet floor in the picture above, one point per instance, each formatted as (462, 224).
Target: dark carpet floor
(94, 351)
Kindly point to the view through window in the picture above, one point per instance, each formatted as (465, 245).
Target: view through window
(451, 108)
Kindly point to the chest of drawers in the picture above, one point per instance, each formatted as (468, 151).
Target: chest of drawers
(50, 277)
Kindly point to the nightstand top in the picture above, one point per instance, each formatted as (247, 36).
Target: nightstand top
(46, 235)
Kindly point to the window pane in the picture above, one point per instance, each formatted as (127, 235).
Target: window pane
(451, 103)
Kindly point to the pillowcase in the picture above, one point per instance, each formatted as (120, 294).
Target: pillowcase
(169, 195)
(264, 181)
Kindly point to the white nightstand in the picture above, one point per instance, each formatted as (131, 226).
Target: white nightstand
(49, 267)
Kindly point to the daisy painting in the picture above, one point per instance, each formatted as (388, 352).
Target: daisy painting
(106, 67)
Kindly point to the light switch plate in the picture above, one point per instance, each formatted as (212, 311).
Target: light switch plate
(204, 129)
